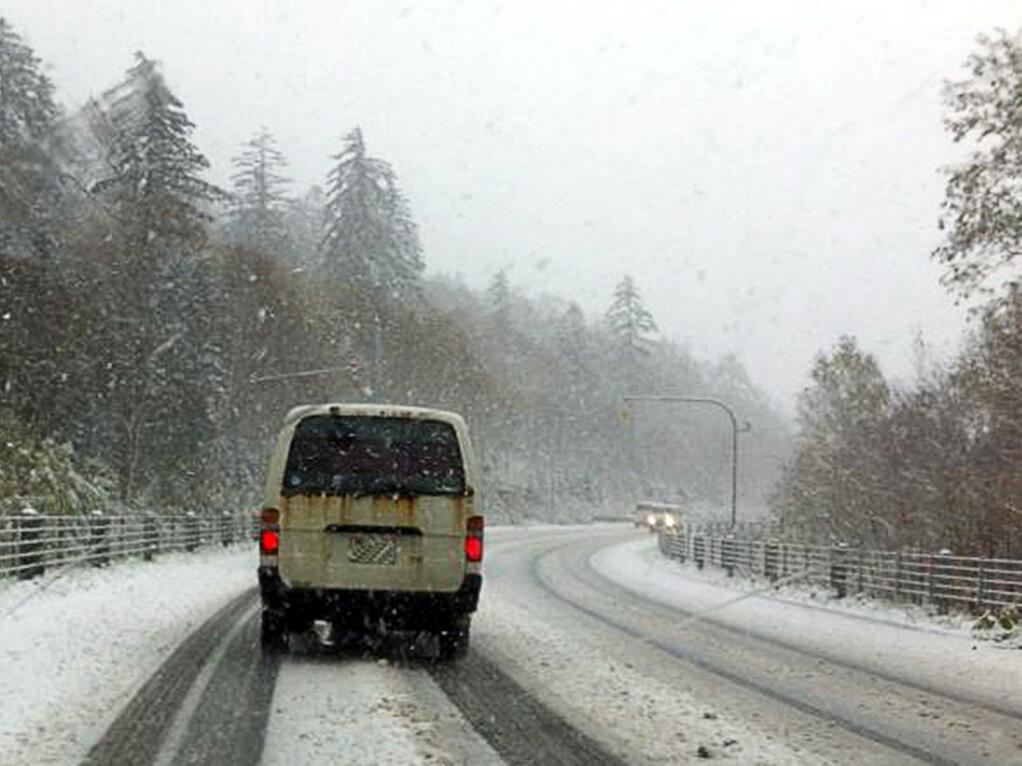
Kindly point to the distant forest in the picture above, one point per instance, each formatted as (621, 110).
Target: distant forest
(154, 328)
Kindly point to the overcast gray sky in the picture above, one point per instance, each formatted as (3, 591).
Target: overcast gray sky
(767, 171)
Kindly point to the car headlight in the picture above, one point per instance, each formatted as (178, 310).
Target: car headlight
(668, 520)
(651, 519)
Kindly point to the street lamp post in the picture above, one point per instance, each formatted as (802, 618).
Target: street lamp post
(734, 433)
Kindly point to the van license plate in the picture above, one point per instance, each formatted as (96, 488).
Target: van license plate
(372, 549)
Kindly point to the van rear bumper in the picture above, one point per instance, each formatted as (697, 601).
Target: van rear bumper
(398, 610)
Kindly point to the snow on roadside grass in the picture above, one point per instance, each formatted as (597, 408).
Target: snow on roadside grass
(73, 653)
(815, 595)
(933, 658)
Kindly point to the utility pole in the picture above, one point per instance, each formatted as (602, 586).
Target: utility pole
(734, 433)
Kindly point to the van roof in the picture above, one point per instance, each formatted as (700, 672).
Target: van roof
(373, 410)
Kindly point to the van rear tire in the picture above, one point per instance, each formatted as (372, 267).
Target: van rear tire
(273, 633)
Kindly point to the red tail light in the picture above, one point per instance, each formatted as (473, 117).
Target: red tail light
(269, 541)
(269, 534)
(473, 549)
(474, 540)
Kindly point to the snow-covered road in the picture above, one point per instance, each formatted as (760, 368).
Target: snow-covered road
(882, 640)
(585, 650)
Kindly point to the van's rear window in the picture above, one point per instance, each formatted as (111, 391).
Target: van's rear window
(337, 455)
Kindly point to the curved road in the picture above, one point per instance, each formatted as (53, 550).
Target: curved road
(568, 667)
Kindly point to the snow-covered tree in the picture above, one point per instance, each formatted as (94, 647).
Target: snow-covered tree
(28, 186)
(38, 472)
(37, 308)
(303, 221)
(499, 293)
(260, 201)
(837, 481)
(370, 238)
(629, 320)
(27, 108)
(989, 373)
(982, 209)
(155, 183)
(158, 363)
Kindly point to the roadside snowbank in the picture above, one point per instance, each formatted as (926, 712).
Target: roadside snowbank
(74, 650)
(796, 591)
(872, 638)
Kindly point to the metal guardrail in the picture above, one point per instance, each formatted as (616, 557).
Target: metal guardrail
(33, 543)
(746, 530)
(937, 579)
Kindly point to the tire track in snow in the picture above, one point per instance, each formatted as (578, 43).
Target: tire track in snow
(137, 734)
(583, 575)
(228, 723)
(209, 702)
(516, 724)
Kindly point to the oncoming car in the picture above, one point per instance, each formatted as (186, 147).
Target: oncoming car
(371, 523)
(657, 516)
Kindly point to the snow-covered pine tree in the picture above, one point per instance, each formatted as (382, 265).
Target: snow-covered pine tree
(576, 362)
(260, 200)
(36, 304)
(155, 184)
(27, 108)
(160, 362)
(572, 343)
(629, 320)
(27, 178)
(499, 293)
(303, 221)
(370, 238)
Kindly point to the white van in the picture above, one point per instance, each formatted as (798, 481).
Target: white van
(371, 522)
